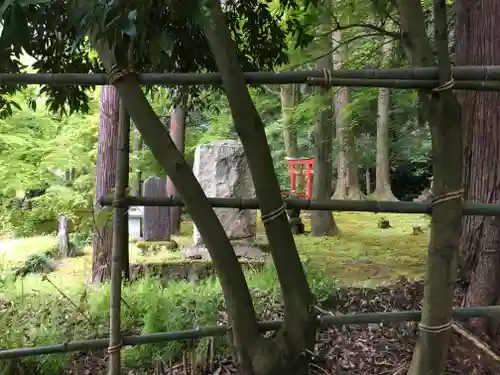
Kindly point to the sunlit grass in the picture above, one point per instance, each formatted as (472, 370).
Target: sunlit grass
(363, 253)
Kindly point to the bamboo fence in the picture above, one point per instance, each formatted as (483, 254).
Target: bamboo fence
(471, 77)
(472, 209)
(221, 330)
(465, 77)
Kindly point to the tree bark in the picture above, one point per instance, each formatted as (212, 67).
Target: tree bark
(444, 115)
(383, 189)
(137, 148)
(368, 181)
(347, 185)
(289, 98)
(107, 139)
(478, 43)
(322, 222)
(178, 134)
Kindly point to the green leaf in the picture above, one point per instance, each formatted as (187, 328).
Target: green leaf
(166, 43)
(33, 2)
(132, 15)
(127, 26)
(103, 218)
(155, 51)
(5, 6)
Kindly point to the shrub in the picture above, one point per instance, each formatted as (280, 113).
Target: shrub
(36, 263)
(50, 318)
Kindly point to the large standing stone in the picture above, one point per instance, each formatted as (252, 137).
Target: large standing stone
(222, 171)
(63, 237)
(155, 218)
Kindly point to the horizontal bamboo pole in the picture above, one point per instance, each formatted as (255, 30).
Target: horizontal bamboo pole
(466, 73)
(473, 209)
(325, 321)
(403, 83)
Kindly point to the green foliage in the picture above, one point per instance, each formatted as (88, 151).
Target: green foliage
(47, 317)
(39, 150)
(36, 263)
(166, 37)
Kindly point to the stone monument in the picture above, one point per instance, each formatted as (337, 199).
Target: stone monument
(222, 171)
(156, 218)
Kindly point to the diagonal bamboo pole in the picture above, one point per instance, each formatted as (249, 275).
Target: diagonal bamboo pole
(221, 330)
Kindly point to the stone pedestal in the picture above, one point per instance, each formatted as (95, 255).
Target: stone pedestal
(223, 172)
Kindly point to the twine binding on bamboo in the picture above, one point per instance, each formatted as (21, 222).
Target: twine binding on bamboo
(116, 73)
(273, 214)
(327, 73)
(115, 348)
(435, 329)
(445, 86)
(457, 194)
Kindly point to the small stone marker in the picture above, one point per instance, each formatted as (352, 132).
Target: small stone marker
(63, 237)
(155, 218)
(222, 171)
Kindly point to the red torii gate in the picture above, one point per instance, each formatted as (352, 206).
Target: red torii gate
(300, 166)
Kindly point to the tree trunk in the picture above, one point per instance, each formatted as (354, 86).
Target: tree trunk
(178, 134)
(353, 189)
(347, 185)
(368, 181)
(289, 98)
(383, 189)
(478, 43)
(430, 354)
(137, 148)
(105, 180)
(322, 222)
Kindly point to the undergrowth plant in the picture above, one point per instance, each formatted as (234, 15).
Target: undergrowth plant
(43, 314)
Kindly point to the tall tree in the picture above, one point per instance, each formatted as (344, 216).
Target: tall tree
(444, 115)
(478, 43)
(347, 186)
(178, 133)
(341, 98)
(322, 221)
(289, 95)
(109, 111)
(383, 189)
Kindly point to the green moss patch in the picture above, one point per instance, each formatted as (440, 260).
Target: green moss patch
(155, 247)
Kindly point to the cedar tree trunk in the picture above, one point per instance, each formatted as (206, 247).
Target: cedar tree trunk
(109, 109)
(478, 43)
(178, 134)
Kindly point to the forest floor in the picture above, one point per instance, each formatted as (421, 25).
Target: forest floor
(363, 255)
(367, 269)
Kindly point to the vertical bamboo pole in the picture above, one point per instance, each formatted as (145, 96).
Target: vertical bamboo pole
(122, 172)
(120, 242)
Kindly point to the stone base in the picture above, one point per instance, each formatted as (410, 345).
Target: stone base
(245, 252)
(190, 270)
(155, 247)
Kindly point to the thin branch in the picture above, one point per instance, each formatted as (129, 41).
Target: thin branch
(316, 58)
(270, 90)
(380, 30)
